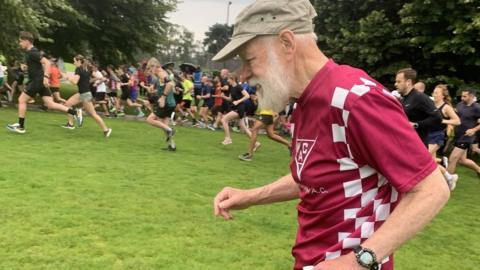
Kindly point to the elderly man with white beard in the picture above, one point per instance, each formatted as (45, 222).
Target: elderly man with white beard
(361, 195)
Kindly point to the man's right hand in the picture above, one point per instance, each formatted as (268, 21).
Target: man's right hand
(230, 199)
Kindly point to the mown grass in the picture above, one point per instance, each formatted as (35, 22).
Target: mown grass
(71, 199)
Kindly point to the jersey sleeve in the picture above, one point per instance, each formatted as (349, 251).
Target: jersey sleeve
(380, 136)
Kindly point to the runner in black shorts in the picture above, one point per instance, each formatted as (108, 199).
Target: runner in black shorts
(38, 74)
(469, 112)
(238, 98)
(165, 104)
(207, 96)
(264, 120)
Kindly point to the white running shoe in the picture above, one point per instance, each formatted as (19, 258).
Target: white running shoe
(445, 161)
(79, 117)
(227, 141)
(453, 182)
(16, 128)
(107, 133)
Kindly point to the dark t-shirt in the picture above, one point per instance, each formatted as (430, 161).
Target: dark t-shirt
(35, 68)
(124, 79)
(237, 92)
(208, 89)
(84, 81)
(469, 116)
(420, 109)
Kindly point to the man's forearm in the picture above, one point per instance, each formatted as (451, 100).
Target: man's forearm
(416, 209)
(284, 189)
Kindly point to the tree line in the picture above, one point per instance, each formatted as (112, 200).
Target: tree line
(110, 31)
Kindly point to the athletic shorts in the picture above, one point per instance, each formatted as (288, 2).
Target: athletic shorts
(463, 145)
(207, 104)
(152, 98)
(100, 96)
(86, 97)
(226, 107)
(133, 96)
(125, 94)
(37, 88)
(164, 112)
(265, 119)
(240, 110)
(113, 94)
(54, 89)
(178, 98)
(251, 109)
(186, 104)
(436, 137)
(216, 109)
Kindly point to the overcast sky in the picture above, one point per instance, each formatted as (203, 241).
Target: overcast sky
(198, 15)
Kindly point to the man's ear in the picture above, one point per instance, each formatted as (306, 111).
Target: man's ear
(287, 41)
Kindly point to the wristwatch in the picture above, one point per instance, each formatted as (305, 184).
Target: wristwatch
(366, 258)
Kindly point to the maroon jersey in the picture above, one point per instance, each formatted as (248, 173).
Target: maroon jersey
(354, 153)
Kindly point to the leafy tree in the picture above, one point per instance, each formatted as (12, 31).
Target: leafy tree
(437, 38)
(112, 31)
(179, 46)
(36, 16)
(217, 36)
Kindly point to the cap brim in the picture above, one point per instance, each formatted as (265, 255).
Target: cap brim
(230, 50)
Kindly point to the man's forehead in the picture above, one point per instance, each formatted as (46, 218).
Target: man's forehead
(250, 48)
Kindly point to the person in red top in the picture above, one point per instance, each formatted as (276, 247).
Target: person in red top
(55, 76)
(357, 187)
(218, 102)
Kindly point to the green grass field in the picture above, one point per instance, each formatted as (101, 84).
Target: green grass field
(71, 199)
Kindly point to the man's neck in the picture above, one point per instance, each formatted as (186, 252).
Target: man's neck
(29, 47)
(408, 92)
(469, 103)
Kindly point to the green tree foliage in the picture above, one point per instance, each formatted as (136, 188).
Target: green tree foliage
(440, 39)
(217, 36)
(179, 46)
(111, 31)
(36, 16)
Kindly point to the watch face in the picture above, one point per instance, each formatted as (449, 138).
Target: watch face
(366, 258)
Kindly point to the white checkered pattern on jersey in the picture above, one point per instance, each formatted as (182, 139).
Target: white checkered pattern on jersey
(356, 188)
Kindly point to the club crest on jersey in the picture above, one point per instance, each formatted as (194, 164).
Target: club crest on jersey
(303, 148)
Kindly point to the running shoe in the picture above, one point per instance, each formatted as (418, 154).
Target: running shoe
(171, 148)
(227, 141)
(120, 114)
(170, 134)
(79, 117)
(140, 115)
(68, 126)
(16, 128)
(445, 161)
(211, 127)
(453, 182)
(107, 133)
(245, 157)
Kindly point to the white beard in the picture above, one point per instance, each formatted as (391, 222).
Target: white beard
(273, 90)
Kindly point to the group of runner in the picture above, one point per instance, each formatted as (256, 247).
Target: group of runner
(213, 102)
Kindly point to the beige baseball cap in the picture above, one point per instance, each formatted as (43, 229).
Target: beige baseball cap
(268, 17)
